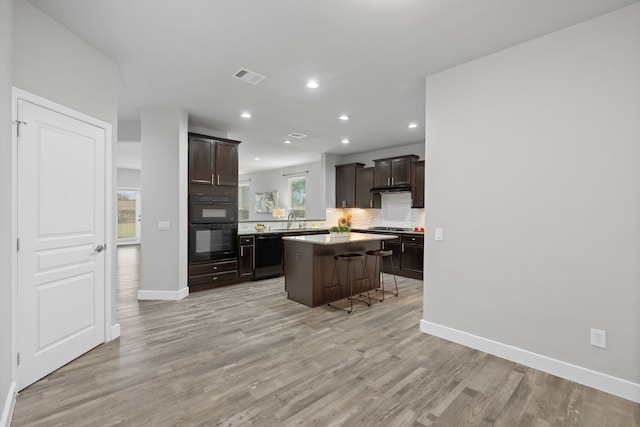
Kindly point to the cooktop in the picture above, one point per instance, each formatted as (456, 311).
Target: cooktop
(390, 229)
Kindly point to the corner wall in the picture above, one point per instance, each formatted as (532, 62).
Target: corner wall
(533, 171)
(164, 184)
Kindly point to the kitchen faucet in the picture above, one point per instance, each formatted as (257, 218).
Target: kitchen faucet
(290, 218)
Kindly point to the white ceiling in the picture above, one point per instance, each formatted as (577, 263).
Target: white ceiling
(369, 56)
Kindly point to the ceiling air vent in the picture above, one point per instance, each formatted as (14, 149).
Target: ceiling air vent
(249, 76)
(297, 135)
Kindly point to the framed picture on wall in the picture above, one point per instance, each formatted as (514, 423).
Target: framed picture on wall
(265, 202)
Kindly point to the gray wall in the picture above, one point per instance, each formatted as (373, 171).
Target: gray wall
(6, 241)
(129, 178)
(274, 180)
(164, 183)
(533, 171)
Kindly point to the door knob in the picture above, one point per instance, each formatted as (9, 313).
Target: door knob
(100, 248)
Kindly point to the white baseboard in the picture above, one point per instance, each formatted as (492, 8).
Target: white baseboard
(115, 332)
(163, 295)
(9, 404)
(607, 383)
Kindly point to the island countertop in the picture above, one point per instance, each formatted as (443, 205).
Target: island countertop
(326, 239)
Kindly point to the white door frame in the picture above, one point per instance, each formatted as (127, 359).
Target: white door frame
(111, 331)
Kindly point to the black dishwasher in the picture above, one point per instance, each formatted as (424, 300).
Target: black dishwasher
(269, 255)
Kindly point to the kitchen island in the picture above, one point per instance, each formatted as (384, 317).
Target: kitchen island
(308, 264)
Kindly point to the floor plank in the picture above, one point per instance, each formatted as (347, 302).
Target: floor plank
(245, 355)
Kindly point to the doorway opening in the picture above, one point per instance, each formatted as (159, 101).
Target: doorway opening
(129, 217)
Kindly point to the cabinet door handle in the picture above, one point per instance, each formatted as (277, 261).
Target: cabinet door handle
(241, 250)
(218, 179)
(214, 278)
(211, 179)
(388, 181)
(403, 247)
(370, 203)
(200, 181)
(391, 180)
(214, 267)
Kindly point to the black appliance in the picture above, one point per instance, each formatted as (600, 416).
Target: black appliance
(269, 255)
(211, 242)
(207, 209)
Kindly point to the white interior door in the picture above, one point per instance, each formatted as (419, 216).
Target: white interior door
(61, 227)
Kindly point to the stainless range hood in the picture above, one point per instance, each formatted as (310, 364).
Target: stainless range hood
(392, 189)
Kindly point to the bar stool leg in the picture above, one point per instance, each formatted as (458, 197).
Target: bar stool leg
(393, 271)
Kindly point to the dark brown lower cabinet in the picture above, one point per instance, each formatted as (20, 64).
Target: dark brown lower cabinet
(213, 274)
(245, 261)
(408, 255)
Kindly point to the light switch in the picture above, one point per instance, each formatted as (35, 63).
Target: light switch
(164, 225)
(439, 234)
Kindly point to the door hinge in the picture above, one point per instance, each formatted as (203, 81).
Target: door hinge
(18, 123)
(18, 244)
(18, 359)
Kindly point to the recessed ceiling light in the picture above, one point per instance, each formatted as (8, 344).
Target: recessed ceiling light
(345, 141)
(312, 84)
(245, 115)
(344, 117)
(412, 125)
(286, 141)
(256, 158)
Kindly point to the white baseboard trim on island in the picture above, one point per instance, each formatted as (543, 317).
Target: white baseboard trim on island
(9, 404)
(607, 383)
(163, 295)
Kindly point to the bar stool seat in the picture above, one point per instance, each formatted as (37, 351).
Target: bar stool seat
(349, 259)
(380, 255)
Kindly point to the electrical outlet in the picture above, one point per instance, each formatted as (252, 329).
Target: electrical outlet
(598, 338)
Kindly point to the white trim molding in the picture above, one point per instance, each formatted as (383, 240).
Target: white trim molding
(114, 332)
(163, 295)
(607, 383)
(9, 404)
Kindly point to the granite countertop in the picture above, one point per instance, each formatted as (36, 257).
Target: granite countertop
(326, 239)
(404, 231)
(251, 232)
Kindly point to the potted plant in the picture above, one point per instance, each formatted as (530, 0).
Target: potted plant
(340, 231)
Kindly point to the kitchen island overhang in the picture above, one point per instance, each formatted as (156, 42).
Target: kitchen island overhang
(309, 263)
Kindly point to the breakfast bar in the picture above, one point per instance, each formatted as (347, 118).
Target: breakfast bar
(309, 263)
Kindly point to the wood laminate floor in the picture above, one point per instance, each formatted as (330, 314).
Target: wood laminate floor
(245, 355)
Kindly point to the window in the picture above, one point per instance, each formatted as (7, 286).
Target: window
(298, 196)
(243, 201)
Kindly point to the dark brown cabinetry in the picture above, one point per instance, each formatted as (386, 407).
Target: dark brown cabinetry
(346, 184)
(365, 198)
(393, 172)
(417, 184)
(408, 255)
(245, 260)
(213, 182)
(212, 274)
(213, 162)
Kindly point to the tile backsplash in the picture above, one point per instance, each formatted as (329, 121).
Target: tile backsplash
(395, 212)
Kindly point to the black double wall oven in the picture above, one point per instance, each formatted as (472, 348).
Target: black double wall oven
(213, 227)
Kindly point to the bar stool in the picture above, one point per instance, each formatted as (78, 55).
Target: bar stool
(349, 259)
(380, 255)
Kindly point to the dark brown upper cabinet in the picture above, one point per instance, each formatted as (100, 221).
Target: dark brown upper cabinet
(213, 162)
(365, 198)
(417, 184)
(393, 172)
(346, 184)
